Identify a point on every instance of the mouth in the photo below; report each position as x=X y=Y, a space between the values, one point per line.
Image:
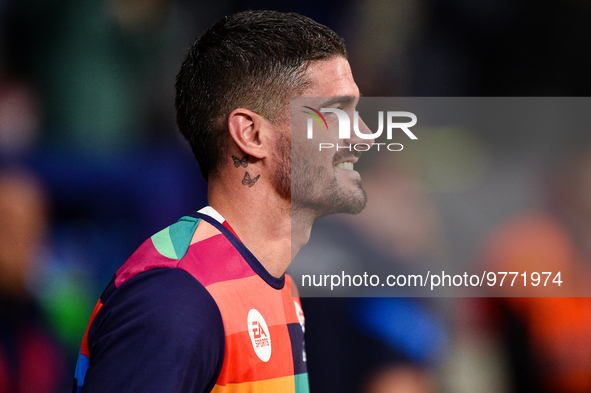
x=346 y=161
x=345 y=165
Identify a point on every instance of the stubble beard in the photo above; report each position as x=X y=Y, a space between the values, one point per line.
x=312 y=189
x=282 y=174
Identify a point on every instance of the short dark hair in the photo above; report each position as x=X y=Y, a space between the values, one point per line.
x=254 y=60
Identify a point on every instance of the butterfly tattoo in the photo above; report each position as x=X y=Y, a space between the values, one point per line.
x=248 y=181
x=240 y=162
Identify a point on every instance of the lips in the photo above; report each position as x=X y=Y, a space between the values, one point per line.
x=345 y=159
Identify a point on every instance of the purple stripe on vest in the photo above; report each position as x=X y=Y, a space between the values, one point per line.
x=199 y=257
x=145 y=258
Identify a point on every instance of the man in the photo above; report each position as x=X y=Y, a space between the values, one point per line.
x=30 y=358
x=205 y=304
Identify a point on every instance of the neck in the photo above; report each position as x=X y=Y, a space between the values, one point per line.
x=301 y=226
x=263 y=221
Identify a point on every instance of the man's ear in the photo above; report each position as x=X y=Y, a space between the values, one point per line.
x=249 y=131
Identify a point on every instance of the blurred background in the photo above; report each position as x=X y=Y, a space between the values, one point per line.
x=91 y=164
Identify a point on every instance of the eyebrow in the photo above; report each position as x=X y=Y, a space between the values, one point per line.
x=338 y=100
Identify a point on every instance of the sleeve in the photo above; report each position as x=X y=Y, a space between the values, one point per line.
x=160 y=331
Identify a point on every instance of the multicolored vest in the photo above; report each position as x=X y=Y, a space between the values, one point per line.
x=262 y=318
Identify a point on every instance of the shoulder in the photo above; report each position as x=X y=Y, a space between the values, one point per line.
x=160 y=327
x=166 y=299
x=164 y=249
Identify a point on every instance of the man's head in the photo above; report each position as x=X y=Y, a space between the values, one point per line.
x=323 y=181
x=255 y=60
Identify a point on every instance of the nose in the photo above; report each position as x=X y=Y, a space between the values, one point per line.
x=358 y=126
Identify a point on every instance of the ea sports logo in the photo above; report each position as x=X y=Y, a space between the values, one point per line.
x=259 y=335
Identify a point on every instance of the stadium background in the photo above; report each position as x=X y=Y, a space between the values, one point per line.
x=89 y=143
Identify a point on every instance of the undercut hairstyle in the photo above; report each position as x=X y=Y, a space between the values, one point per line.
x=255 y=60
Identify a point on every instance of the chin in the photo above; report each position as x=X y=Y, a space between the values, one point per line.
x=336 y=197
x=352 y=202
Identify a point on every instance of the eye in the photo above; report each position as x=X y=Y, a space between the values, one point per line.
x=342 y=106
